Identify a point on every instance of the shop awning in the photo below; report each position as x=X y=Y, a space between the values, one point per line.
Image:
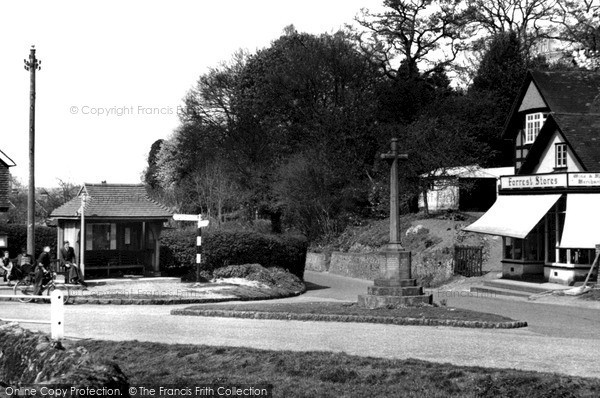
x=582 y=221
x=514 y=216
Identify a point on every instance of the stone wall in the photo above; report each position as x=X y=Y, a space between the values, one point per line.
x=433 y=267
x=430 y=267
x=317 y=262
x=356 y=265
x=33 y=358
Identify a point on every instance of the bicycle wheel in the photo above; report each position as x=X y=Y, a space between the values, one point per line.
x=64 y=289
x=24 y=290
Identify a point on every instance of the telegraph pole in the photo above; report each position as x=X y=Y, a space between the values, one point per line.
x=32 y=65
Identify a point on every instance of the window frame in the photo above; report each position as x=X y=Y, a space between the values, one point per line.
x=560 y=155
x=533 y=121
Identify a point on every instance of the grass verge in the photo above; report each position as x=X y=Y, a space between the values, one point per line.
x=321 y=374
x=351 y=312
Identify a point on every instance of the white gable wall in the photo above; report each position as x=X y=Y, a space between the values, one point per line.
x=532 y=99
x=548 y=160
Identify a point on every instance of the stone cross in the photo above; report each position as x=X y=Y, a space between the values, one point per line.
x=392 y=158
x=396 y=285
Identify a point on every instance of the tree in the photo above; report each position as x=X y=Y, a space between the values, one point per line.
x=496 y=84
x=425 y=35
x=313 y=194
x=580 y=25
x=149 y=177
x=502 y=68
x=435 y=145
x=309 y=94
x=528 y=20
x=46 y=200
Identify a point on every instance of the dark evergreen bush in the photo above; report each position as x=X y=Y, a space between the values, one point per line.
x=17 y=238
x=222 y=248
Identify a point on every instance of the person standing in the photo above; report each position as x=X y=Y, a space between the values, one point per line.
x=68 y=260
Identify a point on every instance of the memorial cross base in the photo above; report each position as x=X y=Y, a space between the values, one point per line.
x=395 y=287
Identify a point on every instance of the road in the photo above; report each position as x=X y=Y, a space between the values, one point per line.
x=560 y=339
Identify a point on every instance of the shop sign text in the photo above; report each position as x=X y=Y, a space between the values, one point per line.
x=536 y=181
x=584 y=180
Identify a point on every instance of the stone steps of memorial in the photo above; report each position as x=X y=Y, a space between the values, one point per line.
x=392 y=282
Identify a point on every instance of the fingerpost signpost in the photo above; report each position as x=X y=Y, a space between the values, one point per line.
x=201 y=224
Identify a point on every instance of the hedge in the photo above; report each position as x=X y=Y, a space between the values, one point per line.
x=17 y=238
x=221 y=248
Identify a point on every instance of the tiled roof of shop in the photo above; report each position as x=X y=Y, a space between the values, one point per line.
x=582 y=133
x=569 y=91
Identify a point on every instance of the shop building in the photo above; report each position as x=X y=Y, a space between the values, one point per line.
x=548 y=210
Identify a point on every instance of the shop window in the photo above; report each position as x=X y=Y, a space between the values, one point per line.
x=509 y=245
x=582 y=256
x=533 y=124
x=529 y=249
x=551 y=237
x=562 y=256
x=560 y=155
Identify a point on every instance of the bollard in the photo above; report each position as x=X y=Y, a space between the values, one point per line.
x=57 y=315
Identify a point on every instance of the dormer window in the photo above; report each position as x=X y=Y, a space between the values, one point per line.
x=533 y=124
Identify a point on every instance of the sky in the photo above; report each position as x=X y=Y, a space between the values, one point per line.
x=113 y=73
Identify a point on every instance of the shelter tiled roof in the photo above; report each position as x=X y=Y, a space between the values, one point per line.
x=114 y=201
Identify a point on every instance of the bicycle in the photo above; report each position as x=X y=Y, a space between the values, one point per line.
x=25 y=287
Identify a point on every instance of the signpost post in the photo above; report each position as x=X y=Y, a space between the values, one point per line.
x=201 y=224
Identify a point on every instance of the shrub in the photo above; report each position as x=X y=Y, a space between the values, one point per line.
x=222 y=248
x=274 y=277
x=177 y=251
x=17 y=238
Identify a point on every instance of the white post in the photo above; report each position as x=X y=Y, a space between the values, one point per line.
x=57 y=315
x=201 y=224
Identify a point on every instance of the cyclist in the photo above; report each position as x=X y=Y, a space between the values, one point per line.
x=42 y=271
